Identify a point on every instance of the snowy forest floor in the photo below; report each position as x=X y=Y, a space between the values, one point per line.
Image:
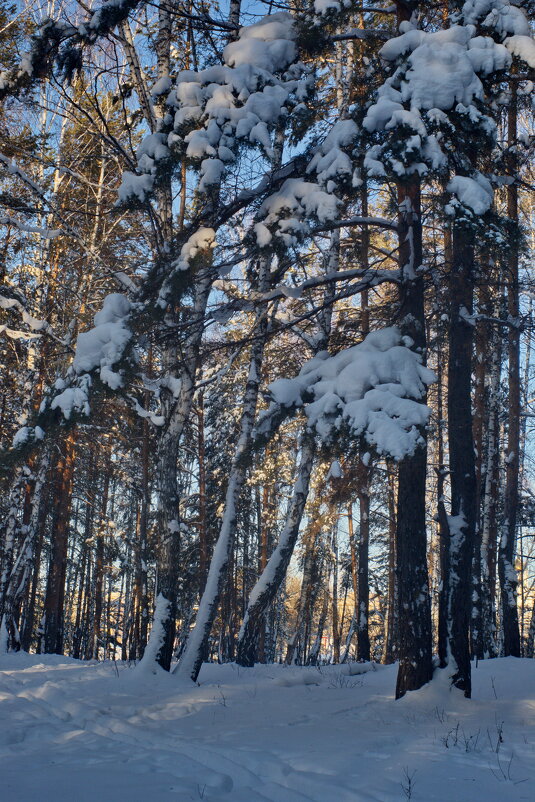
x=72 y=730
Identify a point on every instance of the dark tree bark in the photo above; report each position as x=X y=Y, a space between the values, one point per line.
x=506 y=564
x=414 y=609
x=203 y=528
x=55 y=588
x=462 y=522
x=99 y=566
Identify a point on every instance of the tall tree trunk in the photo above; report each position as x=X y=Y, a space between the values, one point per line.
x=491 y=497
x=141 y=550
x=483 y=443
x=390 y=646
x=363 y=580
x=414 y=609
x=442 y=471
x=363 y=481
x=21 y=572
x=335 y=614
x=462 y=522
x=482 y=338
x=99 y=566
x=304 y=595
x=10 y=531
x=506 y=563
x=55 y=588
x=176 y=414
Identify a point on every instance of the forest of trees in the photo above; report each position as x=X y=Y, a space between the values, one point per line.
x=265 y=332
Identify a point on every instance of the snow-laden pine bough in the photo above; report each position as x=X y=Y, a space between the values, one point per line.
x=371 y=394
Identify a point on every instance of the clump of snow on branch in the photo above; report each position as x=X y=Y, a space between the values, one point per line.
x=331 y=162
x=102 y=347
x=323 y=7
x=36 y=325
x=72 y=399
x=212 y=111
x=268 y=44
x=437 y=73
x=28 y=434
x=498 y=15
x=153 y=149
x=201 y=240
x=289 y=211
x=523 y=47
x=375 y=389
x=475 y=194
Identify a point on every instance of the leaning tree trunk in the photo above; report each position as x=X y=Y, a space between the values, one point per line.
x=197 y=644
x=274 y=573
x=268 y=584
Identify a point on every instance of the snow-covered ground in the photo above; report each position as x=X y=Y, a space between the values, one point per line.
x=85 y=731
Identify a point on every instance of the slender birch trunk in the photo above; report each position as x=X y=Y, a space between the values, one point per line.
x=22 y=568
x=176 y=414
x=268 y=584
x=490 y=507
x=196 y=646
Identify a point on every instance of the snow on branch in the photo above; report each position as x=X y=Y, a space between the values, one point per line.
x=473 y=195
x=99 y=349
x=436 y=74
x=499 y=16
x=286 y=213
x=11 y=303
x=215 y=110
x=60 y=43
x=44 y=233
x=374 y=390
